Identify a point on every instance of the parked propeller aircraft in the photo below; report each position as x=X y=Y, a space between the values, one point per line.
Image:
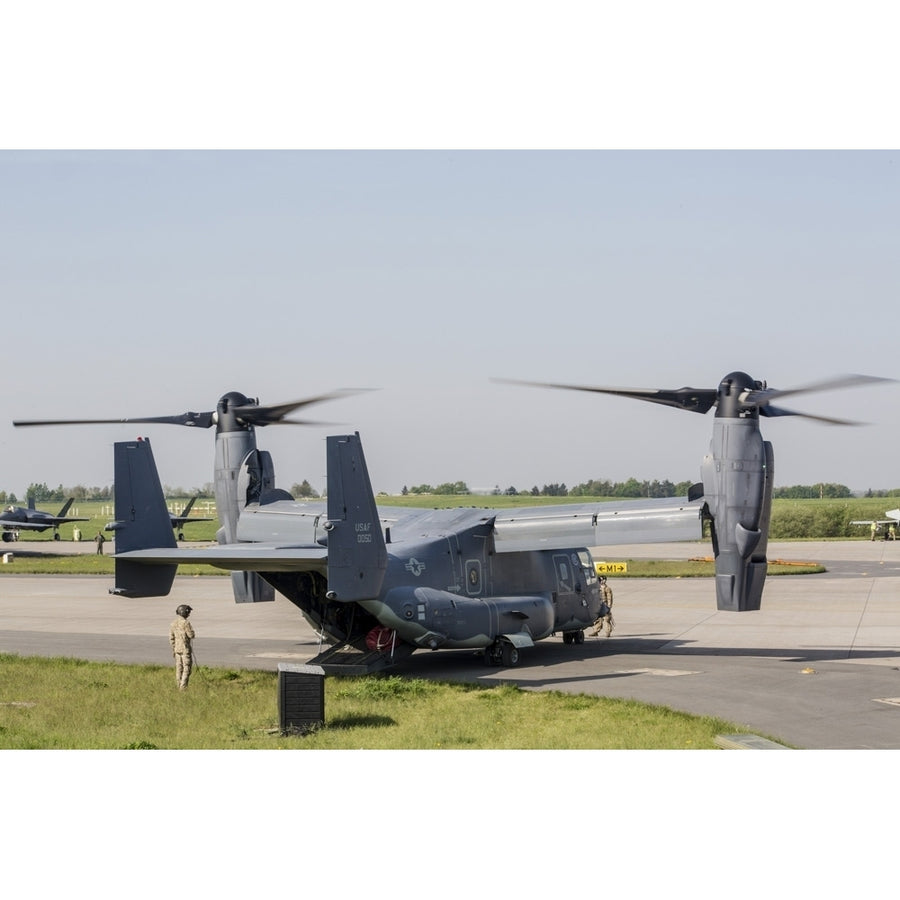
x=886 y=526
x=381 y=582
x=16 y=518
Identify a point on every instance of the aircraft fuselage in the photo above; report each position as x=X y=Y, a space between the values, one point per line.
x=450 y=589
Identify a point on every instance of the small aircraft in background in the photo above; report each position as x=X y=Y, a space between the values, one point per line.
x=17 y=518
x=179 y=520
x=886 y=527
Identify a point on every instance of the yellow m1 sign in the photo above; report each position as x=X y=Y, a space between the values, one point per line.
x=611 y=568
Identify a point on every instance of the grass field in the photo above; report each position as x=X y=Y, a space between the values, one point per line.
x=73 y=704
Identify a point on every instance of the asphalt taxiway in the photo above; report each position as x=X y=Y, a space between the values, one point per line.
x=818 y=667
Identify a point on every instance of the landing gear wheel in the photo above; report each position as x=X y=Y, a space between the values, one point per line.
x=56 y=536
x=568 y=637
x=501 y=653
x=578 y=637
x=180 y=535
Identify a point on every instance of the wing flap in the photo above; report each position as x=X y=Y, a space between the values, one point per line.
x=596 y=524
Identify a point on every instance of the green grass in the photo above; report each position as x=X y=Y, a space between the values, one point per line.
x=703 y=568
x=72 y=704
x=49 y=563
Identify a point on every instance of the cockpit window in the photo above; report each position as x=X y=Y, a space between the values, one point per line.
x=587 y=564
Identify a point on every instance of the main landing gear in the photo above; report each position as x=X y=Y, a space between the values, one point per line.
x=573 y=637
x=501 y=653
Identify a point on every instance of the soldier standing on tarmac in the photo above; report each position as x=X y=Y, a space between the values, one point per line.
x=605 y=619
x=181 y=637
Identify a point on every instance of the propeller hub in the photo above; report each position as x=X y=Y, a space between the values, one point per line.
x=733 y=397
x=226 y=417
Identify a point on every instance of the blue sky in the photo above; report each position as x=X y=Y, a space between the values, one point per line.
x=152 y=282
x=486 y=218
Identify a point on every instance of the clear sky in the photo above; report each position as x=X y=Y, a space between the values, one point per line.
x=151 y=282
x=139 y=279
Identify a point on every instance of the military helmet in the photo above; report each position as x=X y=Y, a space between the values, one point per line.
x=184 y=610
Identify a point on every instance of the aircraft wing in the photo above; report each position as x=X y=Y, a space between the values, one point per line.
x=596 y=524
x=893 y=517
x=184 y=520
x=38 y=525
x=238 y=557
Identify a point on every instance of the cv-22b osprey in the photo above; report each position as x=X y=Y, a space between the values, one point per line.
x=385 y=581
x=393 y=579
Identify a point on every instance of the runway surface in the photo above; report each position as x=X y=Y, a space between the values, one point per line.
x=818 y=667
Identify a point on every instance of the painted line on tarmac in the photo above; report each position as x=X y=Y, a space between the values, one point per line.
x=663 y=673
x=892 y=661
x=270 y=655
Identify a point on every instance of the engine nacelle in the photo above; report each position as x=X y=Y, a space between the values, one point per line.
x=738 y=476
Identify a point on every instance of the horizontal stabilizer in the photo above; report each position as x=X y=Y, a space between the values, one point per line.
x=237 y=557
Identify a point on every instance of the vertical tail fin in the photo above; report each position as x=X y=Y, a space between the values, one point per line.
x=65 y=508
x=142 y=521
x=357 y=557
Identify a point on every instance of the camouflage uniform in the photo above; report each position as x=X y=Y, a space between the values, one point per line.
x=181 y=637
x=605 y=619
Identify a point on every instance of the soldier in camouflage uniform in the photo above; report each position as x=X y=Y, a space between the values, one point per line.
x=605 y=619
x=181 y=637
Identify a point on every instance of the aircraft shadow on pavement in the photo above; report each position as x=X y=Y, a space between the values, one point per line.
x=469 y=664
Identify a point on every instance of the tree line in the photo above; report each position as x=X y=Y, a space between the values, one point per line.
x=629 y=489
x=632 y=488
x=44 y=494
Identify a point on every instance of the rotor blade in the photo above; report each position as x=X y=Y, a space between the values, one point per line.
x=310 y=422
x=763 y=397
x=197 y=420
x=274 y=414
x=699 y=400
x=778 y=411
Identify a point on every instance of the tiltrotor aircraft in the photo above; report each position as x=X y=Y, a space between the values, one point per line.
x=14 y=519
x=379 y=582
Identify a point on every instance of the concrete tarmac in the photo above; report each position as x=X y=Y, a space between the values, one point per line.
x=817 y=668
